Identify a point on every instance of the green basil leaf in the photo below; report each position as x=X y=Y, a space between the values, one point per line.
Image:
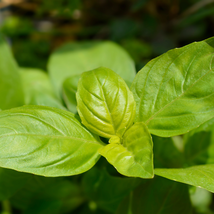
x=199 y=176
x=161 y=196
x=104 y=102
x=166 y=155
x=69 y=92
x=75 y=58
x=46 y=141
x=105 y=190
x=134 y=157
x=11 y=181
x=11 y=92
x=38 y=89
x=174 y=93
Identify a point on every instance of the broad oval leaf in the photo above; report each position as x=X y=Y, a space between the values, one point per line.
x=11 y=92
x=46 y=141
x=38 y=89
x=199 y=176
x=174 y=93
x=76 y=58
x=134 y=157
x=104 y=102
x=69 y=92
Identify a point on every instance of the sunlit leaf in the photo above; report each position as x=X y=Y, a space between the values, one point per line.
x=76 y=58
x=174 y=92
x=104 y=102
x=199 y=176
x=134 y=156
x=46 y=141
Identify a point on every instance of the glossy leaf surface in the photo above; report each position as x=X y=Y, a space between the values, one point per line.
x=134 y=157
x=174 y=92
x=199 y=176
x=76 y=58
x=11 y=181
x=11 y=92
x=104 y=102
x=38 y=89
x=46 y=141
x=69 y=92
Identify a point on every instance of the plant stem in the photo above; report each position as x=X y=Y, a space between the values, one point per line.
x=6 y=208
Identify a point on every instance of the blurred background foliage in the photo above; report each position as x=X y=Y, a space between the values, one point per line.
x=145 y=28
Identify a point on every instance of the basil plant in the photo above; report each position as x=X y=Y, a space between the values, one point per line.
x=156 y=127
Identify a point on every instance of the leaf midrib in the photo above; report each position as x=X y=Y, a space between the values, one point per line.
x=152 y=117
x=50 y=136
x=112 y=121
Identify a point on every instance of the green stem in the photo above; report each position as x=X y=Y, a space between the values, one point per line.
x=6 y=208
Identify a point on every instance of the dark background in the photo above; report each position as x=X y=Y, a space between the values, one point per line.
x=145 y=28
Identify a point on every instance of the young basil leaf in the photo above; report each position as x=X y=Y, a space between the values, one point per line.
x=104 y=102
x=69 y=92
x=76 y=58
x=199 y=176
x=174 y=93
x=134 y=157
x=11 y=181
x=46 y=141
x=11 y=92
x=38 y=89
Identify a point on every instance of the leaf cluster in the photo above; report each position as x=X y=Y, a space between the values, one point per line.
x=149 y=127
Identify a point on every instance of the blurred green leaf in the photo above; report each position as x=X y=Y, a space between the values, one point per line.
x=69 y=92
x=75 y=58
x=201 y=200
x=51 y=194
x=199 y=145
x=166 y=155
x=38 y=89
x=11 y=181
x=160 y=196
x=11 y=92
x=107 y=191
